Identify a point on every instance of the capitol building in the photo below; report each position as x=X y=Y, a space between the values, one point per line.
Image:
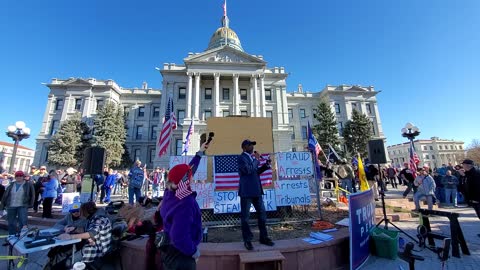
x=221 y=81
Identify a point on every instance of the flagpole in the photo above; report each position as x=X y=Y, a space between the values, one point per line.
x=317 y=183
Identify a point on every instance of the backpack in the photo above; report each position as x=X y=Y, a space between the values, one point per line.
x=342 y=172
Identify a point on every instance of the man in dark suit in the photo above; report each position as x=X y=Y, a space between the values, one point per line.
x=250 y=191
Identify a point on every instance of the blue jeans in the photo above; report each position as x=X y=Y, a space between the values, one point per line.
x=134 y=191
x=245 y=203
x=14 y=215
x=416 y=198
x=155 y=189
x=108 y=192
x=451 y=196
x=347 y=185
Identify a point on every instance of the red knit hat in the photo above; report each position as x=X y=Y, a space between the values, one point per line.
x=176 y=174
x=180 y=175
x=19 y=173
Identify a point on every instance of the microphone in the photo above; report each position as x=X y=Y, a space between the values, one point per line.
x=210 y=138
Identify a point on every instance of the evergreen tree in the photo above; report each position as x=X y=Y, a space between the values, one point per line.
x=326 y=131
x=67 y=145
x=110 y=133
x=357 y=133
x=126 y=159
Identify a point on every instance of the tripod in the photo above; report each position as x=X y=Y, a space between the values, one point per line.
x=387 y=221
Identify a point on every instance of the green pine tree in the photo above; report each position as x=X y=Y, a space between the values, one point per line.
x=110 y=133
x=126 y=159
x=357 y=133
x=326 y=131
x=67 y=145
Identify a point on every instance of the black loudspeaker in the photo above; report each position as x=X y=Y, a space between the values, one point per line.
x=94 y=160
x=376 y=152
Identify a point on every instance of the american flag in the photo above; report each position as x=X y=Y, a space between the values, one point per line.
x=414 y=160
x=183 y=187
x=226 y=175
x=313 y=144
x=187 y=139
x=169 y=124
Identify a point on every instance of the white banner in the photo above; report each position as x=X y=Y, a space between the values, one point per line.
x=229 y=202
x=67 y=201
x=200 y=174
x=204 y=194
x=292 y=192
x=294 y=164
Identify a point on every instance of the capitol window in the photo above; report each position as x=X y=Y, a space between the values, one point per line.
x=302 y=113
x=226 y=94
x=337 y=108
x=141 y=111
x=268 y=94
x=208 y=93
x=156 y=112
x=78 y=104
x=182 y=92
x=290 y=113
x=59 y=104
x=243 y=94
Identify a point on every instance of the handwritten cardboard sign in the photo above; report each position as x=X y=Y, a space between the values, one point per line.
x=292 y=192
x=294 y=164
x=204 y=194
x=200 y=174
x=229 y=202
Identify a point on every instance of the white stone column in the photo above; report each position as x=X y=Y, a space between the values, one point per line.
x=66 y=107
x=256 y=97
x=262 y=95
x=216 y=95
x=236 y=99
x=252 y=96
x=188 y=113
x=50 y=109
x=197 y=96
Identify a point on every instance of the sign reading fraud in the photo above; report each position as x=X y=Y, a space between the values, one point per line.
x=292 y=192
x=200 y=174
x=290 y=164
x=204 y=195
x=362 y=220
x=229 y=202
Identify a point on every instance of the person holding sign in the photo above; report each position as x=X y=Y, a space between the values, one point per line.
x=250 y=191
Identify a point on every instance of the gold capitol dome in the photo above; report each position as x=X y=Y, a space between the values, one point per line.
x=224 y=35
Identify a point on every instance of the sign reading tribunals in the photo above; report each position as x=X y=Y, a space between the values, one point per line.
x=292 y=192
x=293 y=164
x=200 y=174
x=362 y=220
x=229 y=201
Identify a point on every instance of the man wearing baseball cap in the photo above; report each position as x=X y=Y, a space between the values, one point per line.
x=250 y=191
x=17 y=199
x=473 y=185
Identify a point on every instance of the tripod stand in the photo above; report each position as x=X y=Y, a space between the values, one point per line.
x=387 y=221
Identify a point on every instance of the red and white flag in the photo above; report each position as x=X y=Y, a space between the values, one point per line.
x=169 y=124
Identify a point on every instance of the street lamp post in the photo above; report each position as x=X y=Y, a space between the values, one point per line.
x=410 y=131
x=17 y=133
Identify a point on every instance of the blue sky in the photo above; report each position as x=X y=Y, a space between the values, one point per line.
x=423 y=55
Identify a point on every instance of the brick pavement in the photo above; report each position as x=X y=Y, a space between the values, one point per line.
x=470 y=225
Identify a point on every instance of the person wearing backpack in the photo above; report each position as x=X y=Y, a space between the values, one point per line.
x=136 y=178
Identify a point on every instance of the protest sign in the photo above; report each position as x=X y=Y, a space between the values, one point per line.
x=204 y=194
x=67 y=200
x=362 y=220
x=229 y=201
x=200 y=174
x=292 y=192
x=294 y=165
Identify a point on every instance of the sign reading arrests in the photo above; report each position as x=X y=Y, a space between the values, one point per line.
x=293 y=164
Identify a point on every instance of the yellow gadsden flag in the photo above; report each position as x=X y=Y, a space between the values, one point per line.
x=361 y=175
